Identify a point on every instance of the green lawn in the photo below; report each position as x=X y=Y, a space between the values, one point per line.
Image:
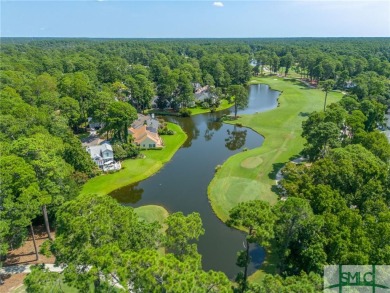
x=194 y=111
x=224 y=105
x=152 y=213
x=134 y=170
x=250 y=175
x=291 y=73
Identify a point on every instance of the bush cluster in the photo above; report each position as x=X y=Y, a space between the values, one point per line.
x=184 y=112
x=124 y=151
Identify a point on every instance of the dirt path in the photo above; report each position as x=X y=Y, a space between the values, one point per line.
x=23 y=257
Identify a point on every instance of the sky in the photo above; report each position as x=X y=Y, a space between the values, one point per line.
x=194 y=19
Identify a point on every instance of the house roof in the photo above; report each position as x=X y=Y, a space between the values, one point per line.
x=151 y=123
x=96 y=150
x=141 y=133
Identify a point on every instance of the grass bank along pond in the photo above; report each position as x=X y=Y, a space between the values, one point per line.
x=138 y=169
x=182 y=184
x=250 y=175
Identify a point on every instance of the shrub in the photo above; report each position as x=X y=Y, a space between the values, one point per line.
x=119 y=152
x=132 y=150
x=161 y=123
x=165 y=131
x=45 y=248
x=205 y=105
x=124 y=151
x=184 y=112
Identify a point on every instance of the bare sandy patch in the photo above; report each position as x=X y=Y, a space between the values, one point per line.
x=251 y=162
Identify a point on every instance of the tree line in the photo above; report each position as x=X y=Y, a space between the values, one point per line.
x=49 y=87
x=334 y=207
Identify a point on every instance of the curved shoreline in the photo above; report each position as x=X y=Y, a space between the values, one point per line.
x=154 y=161
x=311 y=102
x=252 y=184
x=222 y=107
x=281 y=129
x=152 y=213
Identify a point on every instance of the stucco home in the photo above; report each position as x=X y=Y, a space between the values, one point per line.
x=103 y=156
x=146 y=139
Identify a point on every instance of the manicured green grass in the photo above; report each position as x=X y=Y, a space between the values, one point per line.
x=291 y=73
x=194 y=111
x=251 y=175
x=223 y=106
x=134 y=170
x=238 y=180
x=198 y=110
x=152 y=213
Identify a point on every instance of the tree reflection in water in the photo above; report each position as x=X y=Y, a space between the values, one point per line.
x=236 y=138
x=188 y=125
x=132 y=194
x=208 y=135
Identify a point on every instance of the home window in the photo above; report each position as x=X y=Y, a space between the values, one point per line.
x=152 y=145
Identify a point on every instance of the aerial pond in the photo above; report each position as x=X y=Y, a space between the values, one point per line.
x=181 y=185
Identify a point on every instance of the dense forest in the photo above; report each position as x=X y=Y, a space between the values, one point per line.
x=335 y=207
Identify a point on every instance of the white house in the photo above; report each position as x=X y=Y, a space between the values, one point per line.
x=103 y=156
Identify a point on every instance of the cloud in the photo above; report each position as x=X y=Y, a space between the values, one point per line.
x=218 y=4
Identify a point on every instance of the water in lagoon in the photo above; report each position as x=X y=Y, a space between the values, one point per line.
x=261 y=98
x=182 y=184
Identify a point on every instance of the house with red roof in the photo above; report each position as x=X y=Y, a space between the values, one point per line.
x=146 y=139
